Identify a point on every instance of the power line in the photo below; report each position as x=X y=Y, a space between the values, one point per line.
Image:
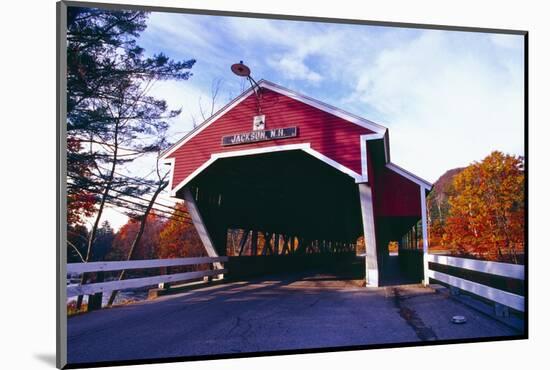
x=171 y=217
x=130 y=195
x=183 y=218
x=161 y=211
x=128 y=177
x=137 y=181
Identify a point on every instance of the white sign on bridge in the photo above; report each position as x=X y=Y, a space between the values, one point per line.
x=263 y=135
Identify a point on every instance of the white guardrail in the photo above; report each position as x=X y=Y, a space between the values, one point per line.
x=86 y=289
x=508 y=270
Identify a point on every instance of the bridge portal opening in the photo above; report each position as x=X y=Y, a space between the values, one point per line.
x=281 y=211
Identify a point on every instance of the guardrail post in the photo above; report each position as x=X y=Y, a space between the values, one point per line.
x=501 y=310
x=425 y=265
x=164 y=271
x=95 y=301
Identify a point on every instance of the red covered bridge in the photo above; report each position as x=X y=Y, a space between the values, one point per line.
x=300 y=182
x=308 y=177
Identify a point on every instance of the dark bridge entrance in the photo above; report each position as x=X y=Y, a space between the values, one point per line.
x=288 y=209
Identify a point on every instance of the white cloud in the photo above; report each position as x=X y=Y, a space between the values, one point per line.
x=448 y=97
x=507 y=41
x=294 y=68
x=182 y=33
x=447 y=105
x=183 y=95
x=293 y=45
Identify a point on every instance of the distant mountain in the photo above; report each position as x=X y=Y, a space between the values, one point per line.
x=442 y=184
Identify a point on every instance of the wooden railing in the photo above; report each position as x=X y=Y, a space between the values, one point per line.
x=499 y=296
x=86 y=289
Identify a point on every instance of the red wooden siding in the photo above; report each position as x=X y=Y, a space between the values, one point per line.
x=395 y=195
x=332 y=136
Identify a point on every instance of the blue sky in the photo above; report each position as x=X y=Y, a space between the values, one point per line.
x=448 y=98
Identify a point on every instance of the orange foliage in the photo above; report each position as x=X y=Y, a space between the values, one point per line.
x=148 y=245
x=179 y=238
x=80 y=205
x=486 y=215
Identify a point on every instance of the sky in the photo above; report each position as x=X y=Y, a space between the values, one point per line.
x=448 y=97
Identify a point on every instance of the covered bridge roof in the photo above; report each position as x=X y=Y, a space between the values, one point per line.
x=337 y=138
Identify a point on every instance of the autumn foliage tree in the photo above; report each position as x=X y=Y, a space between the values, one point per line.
x=179 y=238
x=438 y=208
x=148 y=245
x=486 y=214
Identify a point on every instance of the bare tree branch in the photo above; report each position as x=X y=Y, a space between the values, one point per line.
x=76 y=250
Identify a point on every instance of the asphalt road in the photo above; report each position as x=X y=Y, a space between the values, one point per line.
x=275 y=313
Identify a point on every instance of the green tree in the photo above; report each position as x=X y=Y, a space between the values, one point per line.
x=77 y=239
x=104 y=240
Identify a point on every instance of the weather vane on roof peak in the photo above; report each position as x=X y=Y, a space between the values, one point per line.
x=242 y=70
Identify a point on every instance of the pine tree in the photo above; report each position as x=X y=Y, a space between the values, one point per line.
x=111 y=119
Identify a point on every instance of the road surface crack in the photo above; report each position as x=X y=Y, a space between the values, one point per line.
x=237 y=324
x=423 y=332
x=238 y=329
x=314 y=302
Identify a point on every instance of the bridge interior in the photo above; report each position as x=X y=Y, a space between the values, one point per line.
x=287 y=211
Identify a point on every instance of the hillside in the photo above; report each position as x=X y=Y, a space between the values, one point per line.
x=438 y=205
